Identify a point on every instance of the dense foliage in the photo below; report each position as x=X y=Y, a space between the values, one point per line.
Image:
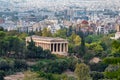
x=40 y=64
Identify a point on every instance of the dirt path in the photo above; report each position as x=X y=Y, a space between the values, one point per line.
x=17 y=76
x=70 y=73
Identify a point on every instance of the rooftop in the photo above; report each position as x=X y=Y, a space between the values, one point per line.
x=48 y=39
x=84 y=22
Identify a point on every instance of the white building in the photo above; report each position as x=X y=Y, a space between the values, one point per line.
x=101 y=30
x=117 y=34
x=9 y=25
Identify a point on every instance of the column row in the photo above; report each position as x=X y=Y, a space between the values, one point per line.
x=59 y=47
x=54 y=47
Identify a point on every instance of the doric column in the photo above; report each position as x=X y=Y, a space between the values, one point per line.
x=56 y=47
x=60 y=47
x=53 y=47
x=67 y=46
x=50 y=47
x=63 y=47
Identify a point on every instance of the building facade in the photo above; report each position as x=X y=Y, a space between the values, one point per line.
x=55 y=45
x=101 y=30
x=117 y=34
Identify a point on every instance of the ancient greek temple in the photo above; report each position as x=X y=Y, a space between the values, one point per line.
x=55 y=45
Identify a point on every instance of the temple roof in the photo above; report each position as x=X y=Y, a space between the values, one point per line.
x=48 y=39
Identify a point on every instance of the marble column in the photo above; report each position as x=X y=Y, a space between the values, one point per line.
x=63 y=47
x=53 y=47
x=67 y=47
x=56 y=47
x=60 y=47
x=50 y=47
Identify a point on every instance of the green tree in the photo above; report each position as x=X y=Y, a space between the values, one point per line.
x=98 y=48
x=82 y=47
x=15 y=44
x=2 y=35
x=115 y=47
x=96 y=75
x=23 y=36
x=1 y=28
x=46 y=32
x=20 y=65
x=31 y=45
x=2 y=74
x=39 y=33
x=93 y=38
x=12 y=33
x=72 y=37
x=113 y=71
x=82 y=71
x=69 y=31
x=3 y=43
x=99 y=67
x=77 y=40
x=89 y=39
x=72 y=63
x=33 y=51
x=4 y=47
x=37 y=52
x=61 y=33
x=71 y=48
x=95 y=46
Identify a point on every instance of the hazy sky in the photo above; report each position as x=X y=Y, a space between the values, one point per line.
x=88 y=3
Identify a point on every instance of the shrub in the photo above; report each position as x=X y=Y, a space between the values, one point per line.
x=100 y=67
x=20 y=64
x=2 y=74
x=96 y=75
